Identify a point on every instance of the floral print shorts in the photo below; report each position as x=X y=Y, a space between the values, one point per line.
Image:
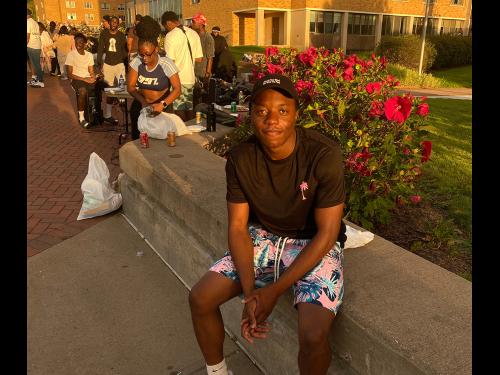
x=323 y=285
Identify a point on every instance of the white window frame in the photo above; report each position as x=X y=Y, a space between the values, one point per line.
x=105 y=6
x=88 y=5
x=195 y=1
x=70 y=18
x=459 y=3
x=89 y=16
x=71 y=4
x=121 y=7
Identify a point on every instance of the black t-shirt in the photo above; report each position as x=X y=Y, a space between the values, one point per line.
x=114 y=46
x=274 y=189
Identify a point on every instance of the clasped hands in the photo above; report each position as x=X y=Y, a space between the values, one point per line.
x=258 y=305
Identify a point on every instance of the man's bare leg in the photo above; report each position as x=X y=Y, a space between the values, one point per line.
x=315 y=353
x=205 y=297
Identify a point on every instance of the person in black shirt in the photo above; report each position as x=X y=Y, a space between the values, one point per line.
x=219 y=44
x=113 y=43
x=285 y=199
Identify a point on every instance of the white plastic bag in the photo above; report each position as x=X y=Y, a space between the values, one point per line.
x=98 y=196
x=356 y=238
x=158 y=126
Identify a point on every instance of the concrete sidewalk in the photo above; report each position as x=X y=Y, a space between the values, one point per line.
x=97 y=306
x=444 y=93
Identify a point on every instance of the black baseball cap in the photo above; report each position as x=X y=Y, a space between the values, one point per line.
x=277 y=82
x=106 y=17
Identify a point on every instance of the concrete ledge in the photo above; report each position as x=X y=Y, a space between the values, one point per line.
x=401 y=313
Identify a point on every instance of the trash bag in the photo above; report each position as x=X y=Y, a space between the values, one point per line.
x=98 y=196
x=159 y=125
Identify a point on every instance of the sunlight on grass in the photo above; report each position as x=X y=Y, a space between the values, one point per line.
x=447 y=178
x=461 y=75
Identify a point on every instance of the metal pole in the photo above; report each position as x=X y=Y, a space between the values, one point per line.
x=423 y=39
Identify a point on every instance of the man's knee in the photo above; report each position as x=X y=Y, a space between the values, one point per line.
x=199 y=299
x=313 y=338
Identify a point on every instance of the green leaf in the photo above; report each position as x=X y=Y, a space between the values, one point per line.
x=309 y=125
x=341 y=108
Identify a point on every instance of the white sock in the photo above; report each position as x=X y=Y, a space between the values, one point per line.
x=107 y=111
x=218 y=369
x=80 y=114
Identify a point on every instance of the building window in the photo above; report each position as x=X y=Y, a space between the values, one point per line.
x=105 y=6
x=88 y=5
x=121 y=7
x=71 y=16
x=455 y=27
x=457 y=2
x=394 y=25
x=70 y=4
x=361 y=24
x=89 y=17
x=418 y=25
x=325 y=22
x=195 y=1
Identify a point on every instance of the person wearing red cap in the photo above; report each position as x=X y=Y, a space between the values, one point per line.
x=203 y=69
x=285 y=199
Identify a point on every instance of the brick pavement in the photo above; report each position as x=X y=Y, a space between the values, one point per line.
x=58 y=156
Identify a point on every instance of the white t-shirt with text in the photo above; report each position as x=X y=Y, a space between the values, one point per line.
x=80 y=63
x=34 y=30
x=176 y=48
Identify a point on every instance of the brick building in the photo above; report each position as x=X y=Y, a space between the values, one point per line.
x=77 y=12
x=346 y=24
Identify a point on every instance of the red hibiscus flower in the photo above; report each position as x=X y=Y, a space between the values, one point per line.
x=275 y=69
x=308 y=57
x=304 y=85
x=373 y=87
x=423 y=109
x=377 y=109
x=415 y=198
x=406 y=151
x=426 y=151
x=271 y=51
x=348 y=74
x=397 y=109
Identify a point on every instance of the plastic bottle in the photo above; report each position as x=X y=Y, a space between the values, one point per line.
x=241 y=98
x=121 y=82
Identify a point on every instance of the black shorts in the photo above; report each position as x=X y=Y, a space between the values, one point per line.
x=77 y=84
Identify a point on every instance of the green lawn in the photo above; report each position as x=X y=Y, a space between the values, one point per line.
x=462 y=75
x=447 y=177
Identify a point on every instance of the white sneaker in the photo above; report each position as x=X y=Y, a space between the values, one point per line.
x=37 y=84
x=64 y=78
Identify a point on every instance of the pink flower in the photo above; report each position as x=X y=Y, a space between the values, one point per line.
x=373 y=87
x=426 y=151
x=415 y=198
x=406 y=151
x=303 y=187
x=397 y=109
x=333 y=71
x=423 y=109
x=271 y=51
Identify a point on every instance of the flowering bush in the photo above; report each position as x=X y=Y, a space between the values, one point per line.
x=353 y=101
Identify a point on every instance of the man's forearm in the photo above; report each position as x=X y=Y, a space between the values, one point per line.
x=241 y=248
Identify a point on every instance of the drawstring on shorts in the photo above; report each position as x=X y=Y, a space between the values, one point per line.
x=277 y=257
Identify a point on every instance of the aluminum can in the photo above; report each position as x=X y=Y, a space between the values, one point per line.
x=144 y=140
x=198 y=117
x=171 y=139
x=233 y=107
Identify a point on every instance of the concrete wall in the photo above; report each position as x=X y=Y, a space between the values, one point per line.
x=401 y=313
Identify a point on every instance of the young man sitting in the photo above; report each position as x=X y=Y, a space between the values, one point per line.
x=285 y=199
x=80 y=69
